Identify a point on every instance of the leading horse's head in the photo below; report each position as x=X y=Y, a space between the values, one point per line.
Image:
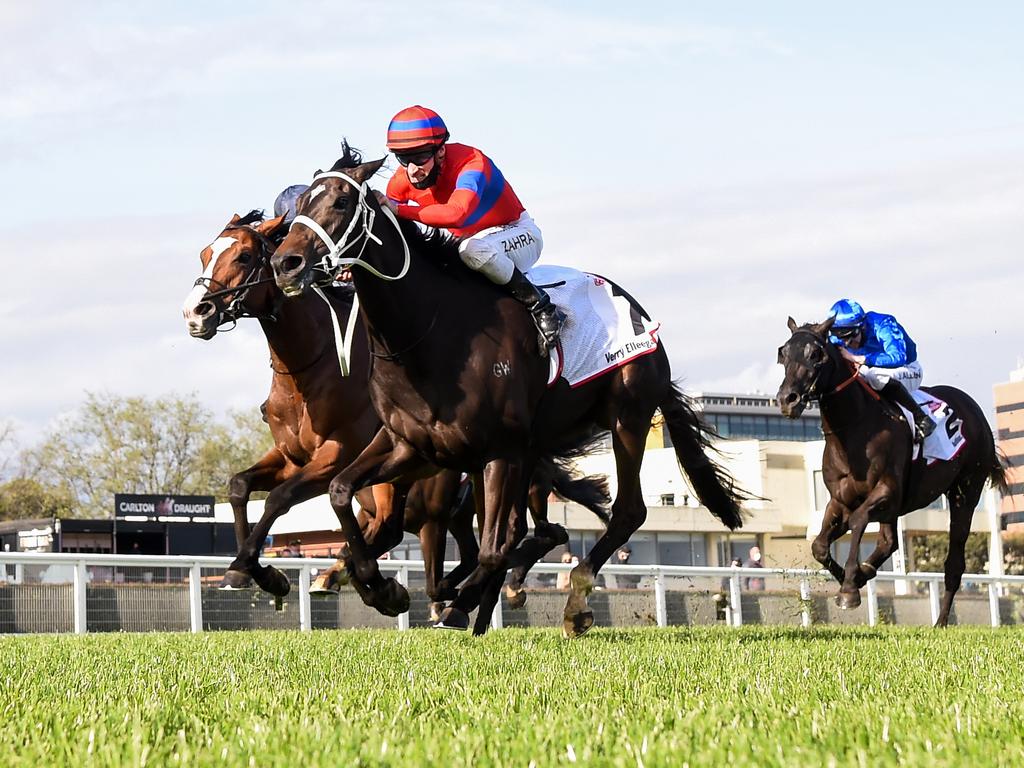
x=809 y=361
x=236 y=280
x=336 y=203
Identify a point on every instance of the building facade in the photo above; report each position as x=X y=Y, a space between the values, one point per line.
x=1009 y=402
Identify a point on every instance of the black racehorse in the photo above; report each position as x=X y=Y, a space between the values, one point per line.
x=458 y=381
x=321 y=419
x=868 y=465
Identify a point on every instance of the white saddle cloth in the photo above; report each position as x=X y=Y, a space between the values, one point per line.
x=947 y=440
x=602 y=331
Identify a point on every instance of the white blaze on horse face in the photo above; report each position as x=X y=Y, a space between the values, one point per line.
x=217 y=247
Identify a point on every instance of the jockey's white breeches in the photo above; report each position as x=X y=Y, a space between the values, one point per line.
x=908 y=375
x=496 y=251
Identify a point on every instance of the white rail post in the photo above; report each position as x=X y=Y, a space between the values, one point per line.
x=805 y=602
x=735 y=600
x=195 y=597
x=993 y=603
x=305 y=609
x=933 y=598
x=497 y=617
x=872 y=603
x=403 y=579
x=81 y=580
x=660 y=609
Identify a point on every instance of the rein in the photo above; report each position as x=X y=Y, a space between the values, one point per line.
x=334 y=259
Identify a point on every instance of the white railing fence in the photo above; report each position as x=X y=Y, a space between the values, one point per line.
x=80 y=569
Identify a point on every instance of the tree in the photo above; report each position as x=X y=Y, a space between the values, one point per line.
x=930 y=552
x=25 y=499
x=8 y=448
x=171 y=444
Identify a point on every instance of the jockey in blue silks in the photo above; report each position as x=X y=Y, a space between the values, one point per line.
x=885 y=354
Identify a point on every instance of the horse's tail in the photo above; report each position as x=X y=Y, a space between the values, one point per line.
x=691 y=437
x=590 y=491
x=997 y=471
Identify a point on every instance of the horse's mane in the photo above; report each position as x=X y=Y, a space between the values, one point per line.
x=255 y=216
x=350 y=158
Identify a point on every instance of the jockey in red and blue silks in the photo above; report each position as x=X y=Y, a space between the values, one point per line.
x=459 y=188
x=886 y=354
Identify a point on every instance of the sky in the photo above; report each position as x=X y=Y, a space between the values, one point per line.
x=730 y=164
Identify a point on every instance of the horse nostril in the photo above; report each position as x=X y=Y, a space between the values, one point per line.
x=290 y=264
x=791 y=398
x=205 y=309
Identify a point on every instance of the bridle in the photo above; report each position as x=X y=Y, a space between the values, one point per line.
x=811 y=394
x=365 y=213
x=235 y=309
x=333 y=260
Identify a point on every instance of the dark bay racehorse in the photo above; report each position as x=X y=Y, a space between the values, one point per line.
x=320 y=420
x=867 y=465
x=458 y=382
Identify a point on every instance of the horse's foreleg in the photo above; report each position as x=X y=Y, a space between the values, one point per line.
x=380 y=462
x=833 y=525
x=888 y=543
x=503 y=528
x=849 y=593
x=461 y=528
x=264 y=475
x=305 y=483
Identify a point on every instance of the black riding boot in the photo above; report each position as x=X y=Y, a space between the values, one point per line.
x=897 y=393
x=546 y=316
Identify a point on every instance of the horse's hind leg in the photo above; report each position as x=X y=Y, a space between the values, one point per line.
x=963 y=498
x=546 y=536
x=628 y=514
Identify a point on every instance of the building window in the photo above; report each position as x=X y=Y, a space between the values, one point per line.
x=682 y=549
x=668 y=499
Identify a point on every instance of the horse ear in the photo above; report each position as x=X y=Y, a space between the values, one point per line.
x=234 y=219
x=367 y=170
x=825 y=327
x=271 y=226
x=792 y=325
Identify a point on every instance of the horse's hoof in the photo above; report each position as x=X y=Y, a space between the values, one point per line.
x=391 y=599
x=328 y=583
x=516 y=597
x=577 y=624
x=453 y=618
x=434 y=611
x=273 y=581
x=848 y=600
x=235 y=579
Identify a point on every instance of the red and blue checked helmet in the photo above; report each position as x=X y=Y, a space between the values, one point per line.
x=848 y=314
x=416 y=128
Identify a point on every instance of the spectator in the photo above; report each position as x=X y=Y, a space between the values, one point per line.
x=286 y=552
x=722 y=598
x=562 y=580
x=754 y=584
x=624 y=581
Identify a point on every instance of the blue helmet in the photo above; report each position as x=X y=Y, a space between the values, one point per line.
x=285 y=203
x=848 y=314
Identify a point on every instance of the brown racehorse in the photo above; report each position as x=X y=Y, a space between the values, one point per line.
x=320 y=419
x=459 y=382
x=868 y=467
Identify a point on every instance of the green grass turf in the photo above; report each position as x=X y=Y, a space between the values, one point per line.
x=697 y=696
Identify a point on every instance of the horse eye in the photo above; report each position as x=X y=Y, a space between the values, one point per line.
x=341 y=203
x=244 y=257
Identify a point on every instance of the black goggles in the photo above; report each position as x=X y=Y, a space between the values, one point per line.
x=420 y=158
x=846 y=333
